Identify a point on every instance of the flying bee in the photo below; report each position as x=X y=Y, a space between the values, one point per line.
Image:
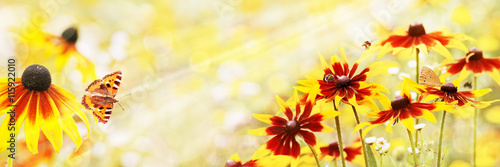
x=468 y=85
x=328 y=78
x=366 y=44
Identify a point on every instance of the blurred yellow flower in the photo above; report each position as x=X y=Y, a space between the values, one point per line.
x=48 y=48
x=461 y=15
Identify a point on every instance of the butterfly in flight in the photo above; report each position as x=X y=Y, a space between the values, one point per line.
x=100 y=96
x=429 y=78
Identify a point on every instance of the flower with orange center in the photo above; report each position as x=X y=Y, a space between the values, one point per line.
x=341 y=83
x=403 y=109
x=302 y=122
x=405 y=42
x=41 y=105
x=474 y=62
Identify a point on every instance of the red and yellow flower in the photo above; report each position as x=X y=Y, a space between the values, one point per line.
x=474 y=62
x=331 y=151
x=41 y=105
x=260 y=158
x=302 y=122
x=404 y=110
x=341 y=84
x=404 y=42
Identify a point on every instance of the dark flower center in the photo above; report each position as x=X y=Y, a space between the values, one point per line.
x=231 y=163
x=70 y=35
x=342 y=81
x=449 y=88
x=478 y=55
x=328 y=78
x=292 y=126
x=400 y=102
x=36 y=77
x=416 y=30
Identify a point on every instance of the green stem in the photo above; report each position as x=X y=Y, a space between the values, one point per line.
x=417 y=59
x=381 y=164
x=10 y=162
x=440 y=142
x=415 y=161
x=360 y=135
x=315 y=155
x=339 y=136
x=417 y=68
x=475 y=126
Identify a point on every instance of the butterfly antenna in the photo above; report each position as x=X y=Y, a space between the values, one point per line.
x=120 y=106
x=125 y=95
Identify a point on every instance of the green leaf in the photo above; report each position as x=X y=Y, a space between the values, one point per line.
x=371 y=157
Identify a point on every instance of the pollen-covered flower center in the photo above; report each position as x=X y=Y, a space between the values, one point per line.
x=36 y=77
x=328 y=78
x=416 y=30
x=449 y=88
x=342 y=81
x=400 y=102
x=70 y=35
x=478 y=55
x=292 y=126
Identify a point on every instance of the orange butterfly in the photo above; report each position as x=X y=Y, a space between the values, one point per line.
x=100 y=96
x=429 y=78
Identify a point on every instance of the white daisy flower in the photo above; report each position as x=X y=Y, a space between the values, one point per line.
x=380 y=142
x=370 y=140
x=419 y=126
x=384 y=148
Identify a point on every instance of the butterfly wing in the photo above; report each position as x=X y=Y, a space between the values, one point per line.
x=87 y=97
x=429 y=78
x=103 y=113
x=112 y=82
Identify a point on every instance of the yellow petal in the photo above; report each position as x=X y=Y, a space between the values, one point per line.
x=334 y=59
x=481 y=92
x=281 y=103
x=429 y=116
x=326 y=128
x=235 y=157
x=408 y=123
x=31 y=125
x=50 y=126
x=388 y=127
x=324 y=65
x=439 y=48
x=329 y=114
x=353 y=101
x=431 y=97
x=73 y=104
x=263 y=117
x=337 y=101
x=385 y=49
x=8 y=130
x=258 y=132
x=360 y=126
x=495 y=75
x=261 y=152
